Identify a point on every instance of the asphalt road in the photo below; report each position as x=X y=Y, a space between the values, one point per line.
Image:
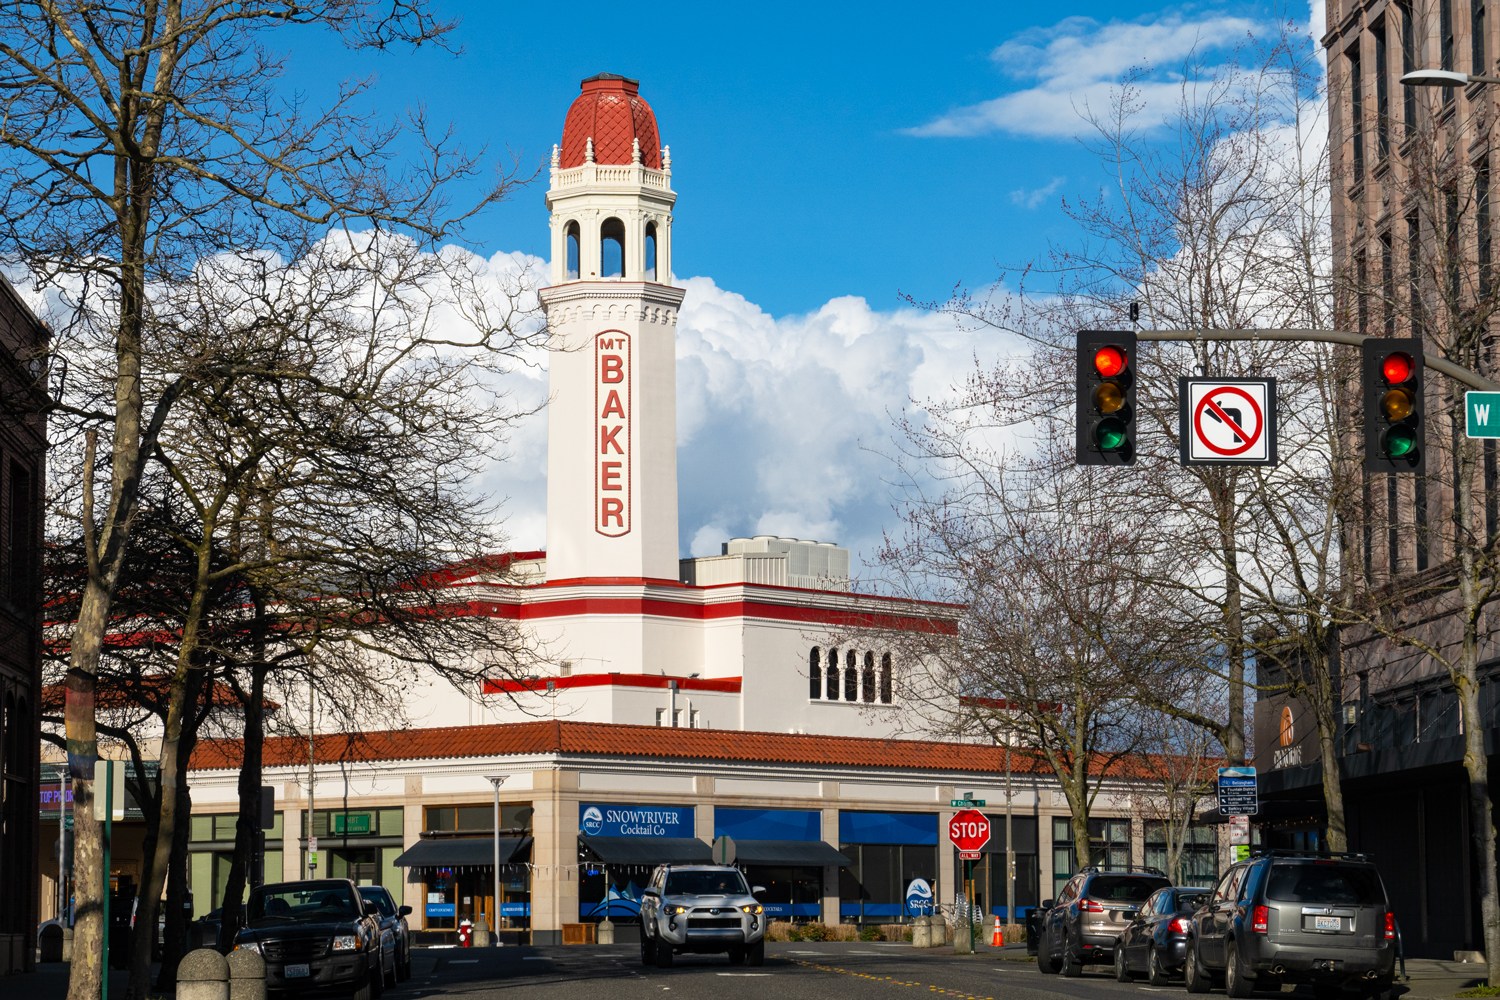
x=793 y=971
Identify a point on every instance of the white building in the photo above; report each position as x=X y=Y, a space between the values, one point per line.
x=676 y=700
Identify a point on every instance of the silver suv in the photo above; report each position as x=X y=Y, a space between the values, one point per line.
x=701 y=909
x=1090 y=914
x=1285 y=917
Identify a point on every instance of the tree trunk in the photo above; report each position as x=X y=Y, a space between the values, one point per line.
x=86 y=975
x=247 y=830
x=175 y=943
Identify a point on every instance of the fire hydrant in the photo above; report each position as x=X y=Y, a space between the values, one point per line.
x=465 y=933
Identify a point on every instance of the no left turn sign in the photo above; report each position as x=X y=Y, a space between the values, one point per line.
x=1227 y=421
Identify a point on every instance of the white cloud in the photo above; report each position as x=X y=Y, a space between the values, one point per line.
x=784 y=425
x=1075 y=66
x=1036 y=197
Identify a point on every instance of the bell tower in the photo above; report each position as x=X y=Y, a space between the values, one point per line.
x=612 y=321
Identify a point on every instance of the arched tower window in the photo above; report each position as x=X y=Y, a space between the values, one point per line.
x=867 y=678
x=815 y=673
x=851 y=676
x=650 y=251
x=574 y=245
x=885 y=679
x=612 y=249
x=831 y=689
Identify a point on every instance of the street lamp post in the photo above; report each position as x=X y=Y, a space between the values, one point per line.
x=496 y=780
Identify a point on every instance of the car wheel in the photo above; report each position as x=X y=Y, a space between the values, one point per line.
x=1156 y=973
x=1044 y=958
x=663 y=954
x=648 y=955
x=363 y=991
x=403 y=971
x=1122 y=967
x=756 y=953
x=1072 y=962
x=377 y=979
x=1236 y=983
x=736 y=956
x=1192 y=974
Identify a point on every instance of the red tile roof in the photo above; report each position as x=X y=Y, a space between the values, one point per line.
x=597 y=739
x=612 y=112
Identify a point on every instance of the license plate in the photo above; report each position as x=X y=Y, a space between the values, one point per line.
x=303 y=971
x=1327 y=923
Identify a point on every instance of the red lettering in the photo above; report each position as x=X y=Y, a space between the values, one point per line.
x=609 y=438
x=612 y=510
x=612 y=368
x=612 y=406
x=609 y=475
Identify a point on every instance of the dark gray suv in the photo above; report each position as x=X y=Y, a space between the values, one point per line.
x=1284 y=917
x=1088 y=916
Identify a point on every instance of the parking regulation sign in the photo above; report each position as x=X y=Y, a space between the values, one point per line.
x=1224 y=421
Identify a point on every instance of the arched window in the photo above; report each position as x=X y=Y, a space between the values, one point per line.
x=650 y=251
x=612 y=249
x=815 y=673
x=851 y=676
x=885 y=679
x=831 y=689
x=573 y=250
x=867 y=678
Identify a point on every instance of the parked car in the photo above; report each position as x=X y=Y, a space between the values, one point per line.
x=1287 y=917
x=318 y=934
x=702 y=909
x=1155 y=942
x=394 y=930
x=1088 y=916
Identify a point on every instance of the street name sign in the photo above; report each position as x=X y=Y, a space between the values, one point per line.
x=965 y=803
x=1224 y=421
x=1239 y=791
x=1482 y=414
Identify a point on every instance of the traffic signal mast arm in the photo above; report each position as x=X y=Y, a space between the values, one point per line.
x=1456 y=372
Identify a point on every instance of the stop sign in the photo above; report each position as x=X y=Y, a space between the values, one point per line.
x=969 y=829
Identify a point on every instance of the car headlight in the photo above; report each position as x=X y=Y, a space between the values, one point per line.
x=346 y=942
x=672 y=909
x=753 y=908
x=247 y=946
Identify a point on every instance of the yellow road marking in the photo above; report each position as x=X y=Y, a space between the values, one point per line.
x=891 y=980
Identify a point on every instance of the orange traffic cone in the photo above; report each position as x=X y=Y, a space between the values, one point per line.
x=997 y=939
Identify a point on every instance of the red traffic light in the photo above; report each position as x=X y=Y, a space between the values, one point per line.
x=1109 y=361
x=1397 y=368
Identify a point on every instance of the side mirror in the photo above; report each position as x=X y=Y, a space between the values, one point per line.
x=402 y=911
x=1047 y=904
x=371 y=910
x=756 y=890
x=650 y=892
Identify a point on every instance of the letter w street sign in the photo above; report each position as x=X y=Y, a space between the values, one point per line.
x=1482 y=414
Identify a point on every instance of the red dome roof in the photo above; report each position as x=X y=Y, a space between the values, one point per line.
x=612 y=113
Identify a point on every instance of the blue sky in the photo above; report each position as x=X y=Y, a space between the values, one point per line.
x=827 y=160
x=819 y=150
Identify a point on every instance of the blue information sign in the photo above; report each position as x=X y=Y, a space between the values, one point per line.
x=1239 y=792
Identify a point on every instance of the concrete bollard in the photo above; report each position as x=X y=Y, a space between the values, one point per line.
x=247 y=976
x=203 y=975
x=482 y=934
x=963 y=938
x=921 y=933
x=606 y=931
x=67 y=945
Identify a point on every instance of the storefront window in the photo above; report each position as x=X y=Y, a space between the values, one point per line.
x=1109 y=847
x=1200 y=853
x=888 y=851
x=467 y=892
x=991 y=884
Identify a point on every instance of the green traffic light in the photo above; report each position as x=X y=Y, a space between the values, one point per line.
x=1400 y=442
x=1109 y=434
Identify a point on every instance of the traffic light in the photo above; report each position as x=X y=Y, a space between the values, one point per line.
x=1106 y=397
x=1391 y=376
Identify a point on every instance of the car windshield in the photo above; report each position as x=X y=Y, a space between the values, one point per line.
x=1122 y=888
x=1325 y=882
x=730 y=883
x=1191 y=899
x=382 y=900
x=301 y=902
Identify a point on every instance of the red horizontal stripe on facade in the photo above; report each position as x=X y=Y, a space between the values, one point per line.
x=725 y=685
x=660 y=608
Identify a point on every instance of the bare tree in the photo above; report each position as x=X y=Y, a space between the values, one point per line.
x=138 y=140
